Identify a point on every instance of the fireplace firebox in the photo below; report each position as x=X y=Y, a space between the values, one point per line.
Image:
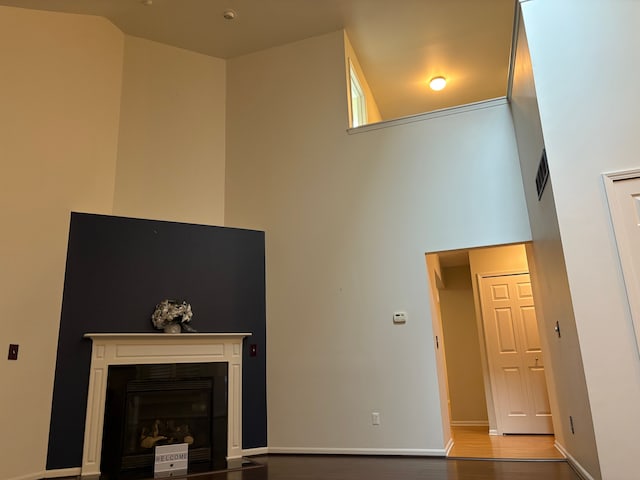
x=161 y=404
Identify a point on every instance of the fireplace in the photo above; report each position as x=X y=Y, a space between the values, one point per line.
x=163 y=404
x=162 y=385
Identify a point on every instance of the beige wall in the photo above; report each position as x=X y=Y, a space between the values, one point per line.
x=434 y=276
x=373 y=113
x=568 y=392
x=464 y=367
x=348 y=219
x=60 y=96
x=67 y=147
x=590 y=129
x=171 y=152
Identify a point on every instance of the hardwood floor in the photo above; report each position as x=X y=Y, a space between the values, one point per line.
x=322 y=467
x=353 y=467
x=475 y=442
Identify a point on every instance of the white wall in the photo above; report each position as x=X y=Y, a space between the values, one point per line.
x=565 y=372
x=171 y=152
x=60 y=96
x=590 y=129
x=348 y=219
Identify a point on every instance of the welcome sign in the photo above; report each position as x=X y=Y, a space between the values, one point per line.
x=171 y=460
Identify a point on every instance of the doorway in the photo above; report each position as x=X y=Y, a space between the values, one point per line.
x=473 y=403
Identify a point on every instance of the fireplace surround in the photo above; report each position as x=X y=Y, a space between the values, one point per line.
x=113 y=349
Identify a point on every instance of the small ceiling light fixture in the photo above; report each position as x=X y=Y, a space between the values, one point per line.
x=437 y=83
x=146 y=3
x=229 y=14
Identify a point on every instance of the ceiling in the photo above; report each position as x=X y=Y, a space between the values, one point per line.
x=454 y=258
x=400 y=44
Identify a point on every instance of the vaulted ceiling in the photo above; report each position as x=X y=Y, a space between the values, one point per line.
x=400 y=44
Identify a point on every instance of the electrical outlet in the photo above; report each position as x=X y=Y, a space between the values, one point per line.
x=375 y=418
x=13 y=352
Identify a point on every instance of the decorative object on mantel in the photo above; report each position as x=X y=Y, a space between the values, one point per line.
x=173 y=316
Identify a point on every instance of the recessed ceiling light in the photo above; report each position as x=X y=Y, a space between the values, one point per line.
x=437 y=83
x=229 y=14
x=146 y=2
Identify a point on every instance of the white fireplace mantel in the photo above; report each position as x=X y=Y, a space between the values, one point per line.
x=149 y=348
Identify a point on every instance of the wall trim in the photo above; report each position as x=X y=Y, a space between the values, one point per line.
x=29 y=476
x=444 y=112
x=493 y=431
x=62 y=472
x=514 y=47
x=448 y=447
x=579 y=469
x=624 y=246
x=417 y=452
x=249 y=452
x=470 y=423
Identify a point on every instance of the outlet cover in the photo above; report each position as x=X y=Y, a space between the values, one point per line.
x=375 y=418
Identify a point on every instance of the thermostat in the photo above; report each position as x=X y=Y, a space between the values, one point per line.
x=400 y=317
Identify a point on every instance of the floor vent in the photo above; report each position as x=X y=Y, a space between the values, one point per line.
x=543 y=174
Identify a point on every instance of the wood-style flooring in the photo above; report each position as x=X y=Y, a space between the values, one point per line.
x=314 y=467
x=475 y=442
x=347 y=467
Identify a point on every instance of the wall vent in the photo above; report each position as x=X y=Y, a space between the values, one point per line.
x=543 y=174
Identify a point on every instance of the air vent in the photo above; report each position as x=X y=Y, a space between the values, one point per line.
x=543 y=174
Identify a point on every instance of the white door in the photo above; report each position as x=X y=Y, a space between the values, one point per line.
x=516 y=365
x=623 y=192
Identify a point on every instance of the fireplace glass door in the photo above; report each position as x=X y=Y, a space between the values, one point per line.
x=164 y=413
x=153 y=405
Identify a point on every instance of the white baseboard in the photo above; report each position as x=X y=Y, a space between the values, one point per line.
x=418 y=452
x=493 y=431
x=29 y=476
x=62 y=472
x=448 y=447
x=248 y=452
x=579 y=469
x=469 y=423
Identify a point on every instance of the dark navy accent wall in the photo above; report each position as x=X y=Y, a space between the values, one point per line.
x=118 y=269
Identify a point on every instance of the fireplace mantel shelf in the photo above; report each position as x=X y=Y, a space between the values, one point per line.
x=150 y=348
x=175 y=336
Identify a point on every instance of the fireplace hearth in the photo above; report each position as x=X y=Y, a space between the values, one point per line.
x=163 y=404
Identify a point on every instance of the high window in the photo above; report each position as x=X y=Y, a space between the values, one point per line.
x=358 y=100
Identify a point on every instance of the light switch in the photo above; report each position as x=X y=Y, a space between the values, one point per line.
x=13 y=352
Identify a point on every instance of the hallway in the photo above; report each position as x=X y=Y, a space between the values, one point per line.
x=475 y=442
